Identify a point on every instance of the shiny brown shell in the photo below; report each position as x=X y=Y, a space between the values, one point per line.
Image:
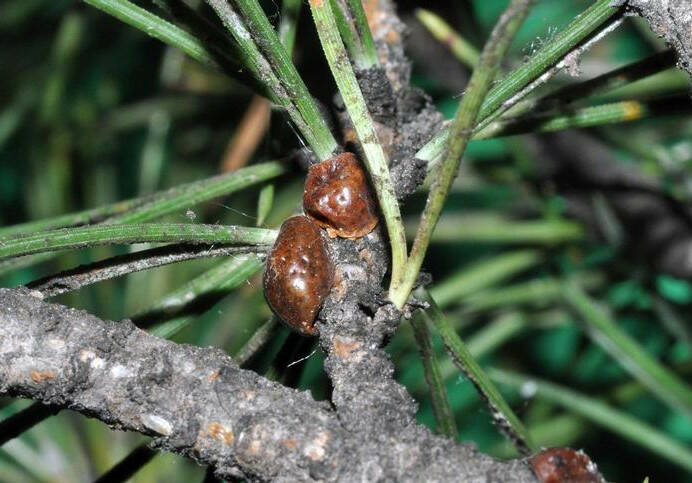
x=299 y=274
x=337 y=197
x=558 y=465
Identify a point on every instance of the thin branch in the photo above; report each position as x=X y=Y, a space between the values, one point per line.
x=76 y=278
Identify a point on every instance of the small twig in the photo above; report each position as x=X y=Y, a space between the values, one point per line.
x=71 y=280
x=571 y=57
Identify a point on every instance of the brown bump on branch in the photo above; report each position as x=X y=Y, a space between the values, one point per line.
x=289 y=443
x=41 y=376
x=345 y=348
x=220 y=432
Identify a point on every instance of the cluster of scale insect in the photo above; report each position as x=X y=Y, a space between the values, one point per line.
x=298 y=277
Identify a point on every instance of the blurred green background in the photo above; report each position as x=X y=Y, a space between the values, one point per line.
x=93 y=111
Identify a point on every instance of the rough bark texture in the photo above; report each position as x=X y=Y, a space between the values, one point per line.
x=197 y=402
x=670 y=19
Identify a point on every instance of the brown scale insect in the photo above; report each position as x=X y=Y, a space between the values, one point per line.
x=299 y=274
x=337 y=197
x=558 y=465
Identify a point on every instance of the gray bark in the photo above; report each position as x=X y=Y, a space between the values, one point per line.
x=197 y=402
x=670 y=19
